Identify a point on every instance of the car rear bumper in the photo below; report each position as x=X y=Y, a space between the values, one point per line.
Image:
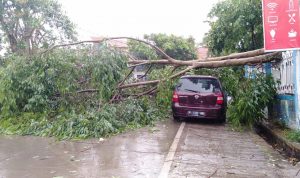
x=213 y=112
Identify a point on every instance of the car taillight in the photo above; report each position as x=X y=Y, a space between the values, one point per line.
x=220 y=100
x=175 y=98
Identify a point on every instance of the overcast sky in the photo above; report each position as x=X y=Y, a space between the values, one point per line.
x=137 y=17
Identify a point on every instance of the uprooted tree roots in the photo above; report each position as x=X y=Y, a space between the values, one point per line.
x=180 y=67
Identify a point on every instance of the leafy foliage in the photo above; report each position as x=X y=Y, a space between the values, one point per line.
x=65 y=94
x=236 y=26
x=112 y=119
x=294 y=135
x=59 y=80
x=141 y=50
x=252 y=98
x=176 y=47
x=31 y=24
x=165 y=88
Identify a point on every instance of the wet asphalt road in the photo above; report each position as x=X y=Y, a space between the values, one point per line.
x=203 y=150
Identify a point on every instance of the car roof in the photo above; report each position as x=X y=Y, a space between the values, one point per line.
x=199 y=76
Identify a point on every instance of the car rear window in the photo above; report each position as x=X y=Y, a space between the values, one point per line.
x=199 y=85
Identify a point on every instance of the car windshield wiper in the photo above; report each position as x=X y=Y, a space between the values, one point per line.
x=191 y=90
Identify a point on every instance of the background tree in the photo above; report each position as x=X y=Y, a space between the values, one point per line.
x=176 y=47
x=141 y=50
x=236 y=26
x=31 y=24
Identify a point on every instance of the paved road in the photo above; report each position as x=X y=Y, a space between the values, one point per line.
x=209 y=150
x=202 y=150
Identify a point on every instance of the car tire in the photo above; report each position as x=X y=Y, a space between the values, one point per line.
x=223 y=119
x=176 y=118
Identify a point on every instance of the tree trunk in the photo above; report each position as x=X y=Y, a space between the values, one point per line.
x=13 y=43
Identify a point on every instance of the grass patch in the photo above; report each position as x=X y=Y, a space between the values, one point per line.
x=290 y=134
x=293 y=135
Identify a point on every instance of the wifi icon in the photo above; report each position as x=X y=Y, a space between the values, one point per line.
x=272 y=5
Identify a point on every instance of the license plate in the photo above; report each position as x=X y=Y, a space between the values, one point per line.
x=196 y=113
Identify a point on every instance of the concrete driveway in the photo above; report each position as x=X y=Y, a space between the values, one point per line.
x=171 y=149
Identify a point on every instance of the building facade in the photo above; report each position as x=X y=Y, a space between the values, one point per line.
x=286 y=73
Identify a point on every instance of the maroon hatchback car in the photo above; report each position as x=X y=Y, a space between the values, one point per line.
x=199 y=97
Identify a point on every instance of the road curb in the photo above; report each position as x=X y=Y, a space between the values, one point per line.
x=290 y=148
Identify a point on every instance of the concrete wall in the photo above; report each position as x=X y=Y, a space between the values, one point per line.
x=296 y=61
x=284 y=110
x=287 y=108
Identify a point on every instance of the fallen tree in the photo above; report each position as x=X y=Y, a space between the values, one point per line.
x=74 y=92
x=180 y=67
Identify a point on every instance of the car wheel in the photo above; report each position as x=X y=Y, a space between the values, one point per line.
x=223 y=119
x=176 y=118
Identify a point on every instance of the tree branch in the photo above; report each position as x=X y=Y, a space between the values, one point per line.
x=127 y=76
x=238 y=55
x=212 y=64
x=146 y=92
x=87 y=91
x=146 y=73
x=139 y=84
x=112 y=38
x=239 y=62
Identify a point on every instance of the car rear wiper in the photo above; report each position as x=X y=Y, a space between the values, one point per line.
x=191 y=90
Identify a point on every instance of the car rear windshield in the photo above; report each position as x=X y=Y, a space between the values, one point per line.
x=199 y=85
